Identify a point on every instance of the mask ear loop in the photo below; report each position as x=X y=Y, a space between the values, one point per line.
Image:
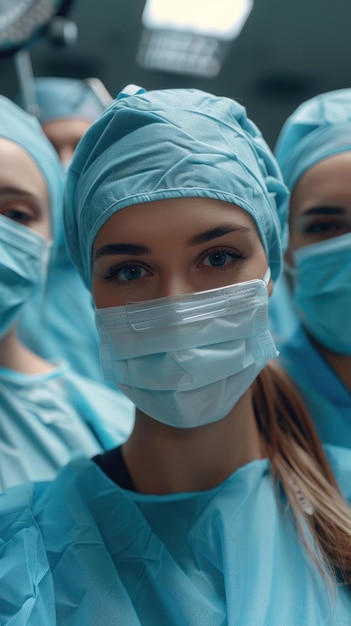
x=267 y=275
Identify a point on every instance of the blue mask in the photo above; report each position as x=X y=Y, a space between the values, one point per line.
x=24 y=256
x=323 y=291
x=186 y=360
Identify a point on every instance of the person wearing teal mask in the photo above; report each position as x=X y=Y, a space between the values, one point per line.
x=314 y=153
x=66 y=109
x=47 y=412
x=221 y=506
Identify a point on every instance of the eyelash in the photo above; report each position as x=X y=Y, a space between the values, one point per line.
x=112 y=272
x=17 y=215
x=235 y=256
x=18 y=212
x=323 y=226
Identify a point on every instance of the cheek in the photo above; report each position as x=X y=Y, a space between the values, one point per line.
x=47 y=232
x=296 y=239
x=98 y=293
x=45 y=226
x=259 y=263
x=288 y=257
x=103 y=293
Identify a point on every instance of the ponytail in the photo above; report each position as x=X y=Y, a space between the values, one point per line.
x=300 y=467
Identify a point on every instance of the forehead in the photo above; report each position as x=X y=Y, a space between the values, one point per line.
x=176 y=217
x=327 y=181
x=10 y=153
x=19 y=170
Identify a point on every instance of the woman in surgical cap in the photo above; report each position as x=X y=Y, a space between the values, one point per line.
x=47 y=412
x=314 y=152
x=221 y=507
x=66 y=109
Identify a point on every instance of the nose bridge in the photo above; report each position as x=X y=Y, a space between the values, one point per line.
x=175 y=282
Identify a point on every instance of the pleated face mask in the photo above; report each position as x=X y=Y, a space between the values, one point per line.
x=24 y=256
x=186 y=360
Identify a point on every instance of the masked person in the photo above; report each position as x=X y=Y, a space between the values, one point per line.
x=314 y=152
x=173 y=213
x=47 y=412
x=66 y=108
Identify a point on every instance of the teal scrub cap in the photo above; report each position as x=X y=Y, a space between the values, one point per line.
x=60 y=98
x=23 y=129
x=318 y=129
x=170 y=144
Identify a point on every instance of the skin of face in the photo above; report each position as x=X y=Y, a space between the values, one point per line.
x=320 y=205
x=24 y=195
x=171 y=247
x=65 y=134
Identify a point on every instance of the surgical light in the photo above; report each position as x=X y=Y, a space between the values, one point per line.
x=190 y=36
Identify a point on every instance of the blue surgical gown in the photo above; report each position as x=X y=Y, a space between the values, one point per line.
x=81 y=551
x=325 y=395
x=45 y=418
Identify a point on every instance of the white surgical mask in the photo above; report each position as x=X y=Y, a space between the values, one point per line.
x=24 y=256
x=323 y=291
x=186 y=360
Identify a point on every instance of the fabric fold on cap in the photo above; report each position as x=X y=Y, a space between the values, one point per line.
x=171 y=144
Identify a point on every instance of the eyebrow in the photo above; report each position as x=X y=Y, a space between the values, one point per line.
x=15 y=191
x=218 y=231
x=121 y=248
x=138 y=249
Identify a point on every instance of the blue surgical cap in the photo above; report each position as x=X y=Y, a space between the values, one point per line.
x=23 y=129
x=61 y=98
x=171 y=144
x=317 y=130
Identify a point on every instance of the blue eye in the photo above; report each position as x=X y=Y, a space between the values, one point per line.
x=17 y=215
x=130 y=272
x=219 y=258
x=125 y=273
x=322 y=227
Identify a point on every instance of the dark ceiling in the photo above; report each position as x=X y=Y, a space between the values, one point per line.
x=286 y=53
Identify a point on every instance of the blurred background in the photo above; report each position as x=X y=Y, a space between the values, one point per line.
x=280 y=54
